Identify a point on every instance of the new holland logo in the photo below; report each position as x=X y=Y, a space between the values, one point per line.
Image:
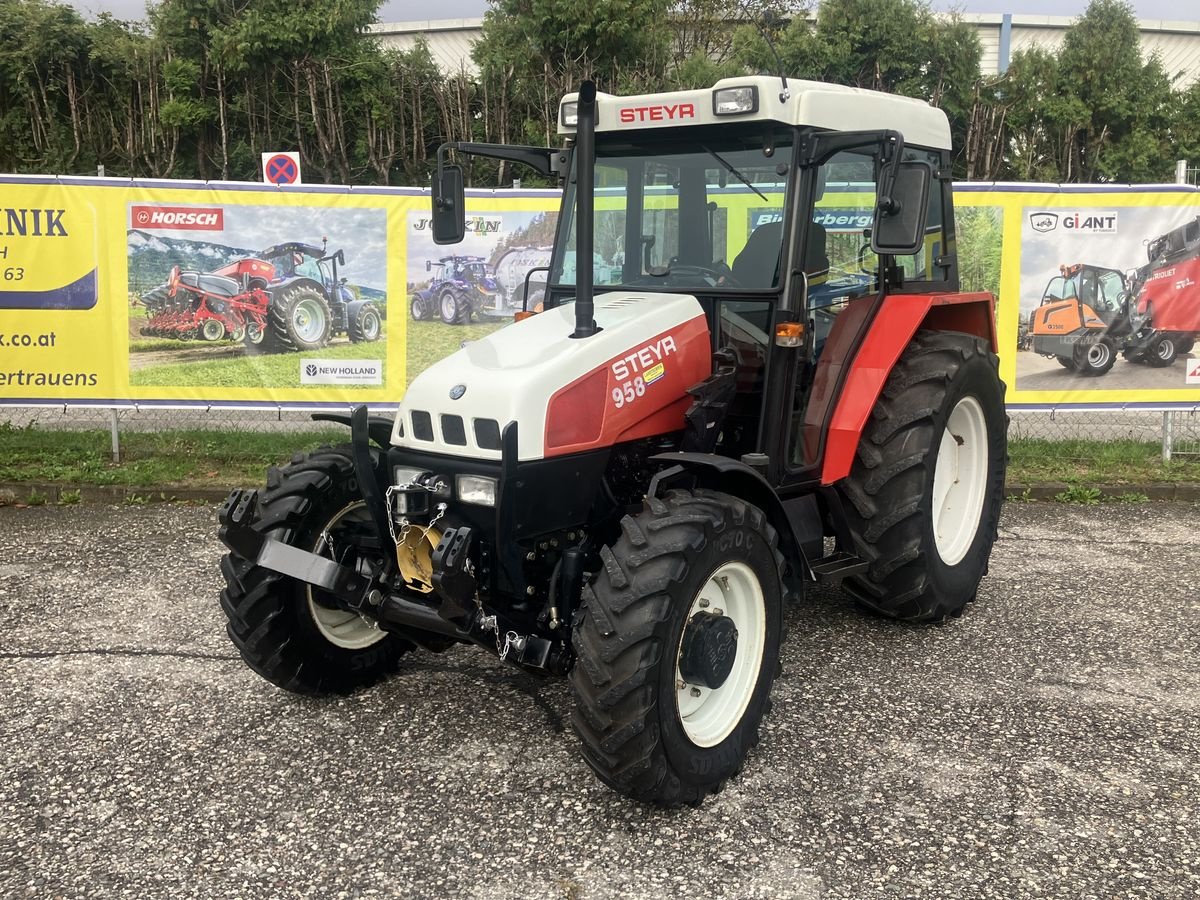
x=341 y=371
x=1043 y=221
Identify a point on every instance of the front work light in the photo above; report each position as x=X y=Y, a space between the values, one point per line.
x=570 y=114
x=476 y=489
x=734 y=101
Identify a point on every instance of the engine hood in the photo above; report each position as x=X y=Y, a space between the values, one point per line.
x=567 y=395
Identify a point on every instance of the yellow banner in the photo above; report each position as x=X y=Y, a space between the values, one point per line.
x=236 y=294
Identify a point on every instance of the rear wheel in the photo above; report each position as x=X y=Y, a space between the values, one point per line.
x=925 y=489
x=298 y=320
x=454 y=310
x=291 y=634
x=1095 y=359
x=677 y=645
x=212 y=329
x=1184 y=346
x=1162 y=352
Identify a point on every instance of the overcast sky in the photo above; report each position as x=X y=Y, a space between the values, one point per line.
x=405 y=10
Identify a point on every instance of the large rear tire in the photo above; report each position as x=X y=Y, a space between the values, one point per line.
x=925 y=490
x=298 y=319
x=288 y=632
x=453 y=309
x=694 y=577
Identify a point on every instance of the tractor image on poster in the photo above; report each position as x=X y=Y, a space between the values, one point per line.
x=288 y=297
x=459 y=287
x=625 y=487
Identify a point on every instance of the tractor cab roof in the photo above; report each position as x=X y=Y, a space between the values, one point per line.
x=293 y=247
x=762 y=98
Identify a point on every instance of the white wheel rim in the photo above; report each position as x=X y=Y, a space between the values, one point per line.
x=1098 y=355
x=449 y=306
x=1165 y=348
x=213 y=330
x=371 y=326
x=709 y=715
x=960 y=480
x=347 y=630
x=309 y=320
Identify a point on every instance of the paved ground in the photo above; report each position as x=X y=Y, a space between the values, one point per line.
x=1037 y=373
x=1047 y=744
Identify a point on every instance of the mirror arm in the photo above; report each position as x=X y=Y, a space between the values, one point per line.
x=542 y=159
x=893 y=152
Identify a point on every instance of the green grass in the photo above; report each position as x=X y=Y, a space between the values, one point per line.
x=1096 y=462
x=270 y=370
x=150 y=460
x=143 y=345
x=429 y=342
x=236 y=458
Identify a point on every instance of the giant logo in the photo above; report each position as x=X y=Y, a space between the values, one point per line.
x=1080 y=221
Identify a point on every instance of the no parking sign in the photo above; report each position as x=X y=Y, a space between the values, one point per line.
x=281 y=168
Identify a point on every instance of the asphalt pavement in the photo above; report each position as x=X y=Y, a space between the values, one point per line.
x=1047 y=744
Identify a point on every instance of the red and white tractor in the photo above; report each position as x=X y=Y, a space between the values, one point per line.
x=624 y=487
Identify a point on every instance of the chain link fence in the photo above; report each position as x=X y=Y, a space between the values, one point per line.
x=1177 y=431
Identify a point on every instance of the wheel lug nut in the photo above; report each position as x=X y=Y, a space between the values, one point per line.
x=695 y=692
x=703 y=603
x=717 y=611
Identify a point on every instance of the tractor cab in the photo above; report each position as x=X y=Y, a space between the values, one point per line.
x=297 y=260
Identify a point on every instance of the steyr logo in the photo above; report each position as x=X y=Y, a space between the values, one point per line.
x=179 y=218
x=666 y=112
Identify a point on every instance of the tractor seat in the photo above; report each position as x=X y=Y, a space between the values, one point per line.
x=212 y=284
x=756 y=265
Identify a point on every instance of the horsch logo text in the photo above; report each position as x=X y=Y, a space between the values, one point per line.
x=180 y=218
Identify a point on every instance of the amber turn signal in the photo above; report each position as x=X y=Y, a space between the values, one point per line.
x=789 y=334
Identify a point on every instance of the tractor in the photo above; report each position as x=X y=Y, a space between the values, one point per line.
x=625 y=487
x=459 y=288
x=289 y=297
x=1088 y=314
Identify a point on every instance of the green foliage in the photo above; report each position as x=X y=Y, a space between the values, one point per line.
x=69 y=498
x=205 y=86
x=1086 y=496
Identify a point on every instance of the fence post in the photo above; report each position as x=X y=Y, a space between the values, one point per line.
x=116 y=434
x=1168 y=426
x=1181 y=171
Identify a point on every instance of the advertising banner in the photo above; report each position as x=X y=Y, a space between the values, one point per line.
x=182 y=294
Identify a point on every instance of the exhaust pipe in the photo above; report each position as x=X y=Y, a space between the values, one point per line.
x=585 y=181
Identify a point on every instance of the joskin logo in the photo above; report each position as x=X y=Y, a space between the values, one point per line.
x=1080 y=221
x=179 y=218
x=341 y=371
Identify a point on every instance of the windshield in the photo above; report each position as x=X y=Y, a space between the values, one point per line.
x=700 y=207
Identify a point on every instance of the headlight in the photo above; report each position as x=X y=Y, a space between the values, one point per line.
x=476 y=489
x=732 y=101
x=570 y=114
x=402 y=475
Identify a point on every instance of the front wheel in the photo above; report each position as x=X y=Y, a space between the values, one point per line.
x=1095 y=359
x=291 y=634
x=298 y=320
x=366 y=324
x=677 y=644
x=925 y=489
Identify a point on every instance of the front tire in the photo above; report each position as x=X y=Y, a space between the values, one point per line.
x=695 y=576
x=286 y=631
x=367 y=324
x=1095 y=359
x=453 y=309
x=925 y=489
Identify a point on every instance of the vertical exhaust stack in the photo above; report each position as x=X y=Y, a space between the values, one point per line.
x=585 y=182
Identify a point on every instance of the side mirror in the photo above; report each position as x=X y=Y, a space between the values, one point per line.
x=428 y=265
x=341 y=257
x=449 y=224
x=899 y=228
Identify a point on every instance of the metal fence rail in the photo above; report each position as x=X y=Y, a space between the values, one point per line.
x=1178 y=431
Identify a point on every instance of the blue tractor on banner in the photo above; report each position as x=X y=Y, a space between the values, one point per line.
x=459 y=287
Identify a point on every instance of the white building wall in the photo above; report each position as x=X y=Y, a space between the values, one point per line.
x=1177 y=43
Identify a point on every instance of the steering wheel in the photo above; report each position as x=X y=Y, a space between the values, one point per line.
x=717 y=274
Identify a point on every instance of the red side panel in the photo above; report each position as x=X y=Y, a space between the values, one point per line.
x=898 y=320
x=1175 y=293
x=641 y=393
x=252 y=267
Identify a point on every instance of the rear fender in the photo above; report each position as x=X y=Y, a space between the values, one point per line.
x=900 y=317
x=278 y=288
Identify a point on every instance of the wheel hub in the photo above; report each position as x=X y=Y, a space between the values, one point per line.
x=709 y=649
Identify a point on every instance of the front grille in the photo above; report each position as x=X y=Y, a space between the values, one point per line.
x=453 y=431
x=422 y=425
x=487 y=434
